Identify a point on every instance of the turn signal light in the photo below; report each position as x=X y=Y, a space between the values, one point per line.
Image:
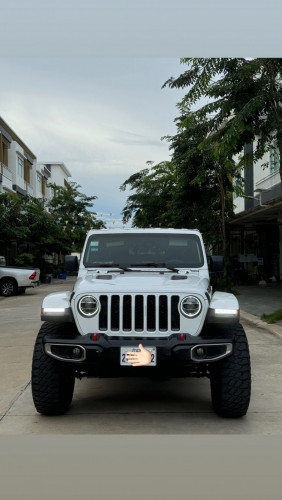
x=181 y=336
x=32 y=276
x=94 y=336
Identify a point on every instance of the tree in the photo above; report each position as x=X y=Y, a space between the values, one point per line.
x=70 y=210
x=154 y=187
x=205 y=180
x=194 y=190
x=25 y=220
x=39 y=232
x=11 y=208
x=244 y=102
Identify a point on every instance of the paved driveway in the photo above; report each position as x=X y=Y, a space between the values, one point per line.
x=128 y=406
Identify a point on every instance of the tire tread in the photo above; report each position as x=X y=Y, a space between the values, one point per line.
x=52 y=383
x=231 y=381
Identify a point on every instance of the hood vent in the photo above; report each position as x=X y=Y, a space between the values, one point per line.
x=104 y=277
x=179 y=277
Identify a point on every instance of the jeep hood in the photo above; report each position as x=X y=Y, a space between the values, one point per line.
x=142 y=282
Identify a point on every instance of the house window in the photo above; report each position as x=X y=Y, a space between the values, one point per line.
x=274 y=159
x=4 y=150
x=236 y=184
x=20 y=167
x=39 y=183
x=43 y=183
x=26 y=172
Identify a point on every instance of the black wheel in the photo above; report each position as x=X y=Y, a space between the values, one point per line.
x=231 y=379
x=8 y=287
x=52 y=382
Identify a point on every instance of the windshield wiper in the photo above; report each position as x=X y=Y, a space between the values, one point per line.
x=117 y=266
x=155 y=264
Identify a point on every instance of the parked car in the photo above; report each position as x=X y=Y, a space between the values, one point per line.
x=15 y=280
x=142 y=305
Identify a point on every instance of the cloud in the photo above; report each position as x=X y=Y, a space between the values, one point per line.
x=102 y=117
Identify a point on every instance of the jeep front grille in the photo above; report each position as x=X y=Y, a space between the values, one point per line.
x=139 y=313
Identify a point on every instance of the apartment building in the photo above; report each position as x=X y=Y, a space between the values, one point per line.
x=55 y=172
x=256 y=230
x=16 y=163
x=21 y=173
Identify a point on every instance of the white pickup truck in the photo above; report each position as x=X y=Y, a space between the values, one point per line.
x=142 y=306
x=15 y=280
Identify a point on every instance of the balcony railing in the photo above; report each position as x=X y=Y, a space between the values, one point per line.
x=269 y=181
x=6 y=172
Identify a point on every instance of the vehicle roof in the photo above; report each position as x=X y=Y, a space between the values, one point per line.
x=144 y=231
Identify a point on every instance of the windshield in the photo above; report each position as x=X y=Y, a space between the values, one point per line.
x=141 y=250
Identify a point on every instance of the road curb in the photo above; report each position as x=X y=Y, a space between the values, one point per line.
x=255 y=321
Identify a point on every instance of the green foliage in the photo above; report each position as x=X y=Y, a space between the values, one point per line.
x=154 y=190
x=244 y=97
x=273 y=317
x=70 y=210
x=24 y=260
x=191 y=191
x=195 y=189
x=40 y=232
x=11 y=216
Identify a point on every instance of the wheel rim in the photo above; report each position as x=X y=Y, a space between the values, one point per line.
x=7 y=289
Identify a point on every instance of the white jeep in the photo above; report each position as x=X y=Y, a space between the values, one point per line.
x=142 y=291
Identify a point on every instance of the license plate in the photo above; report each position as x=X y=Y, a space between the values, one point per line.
x=124 y=351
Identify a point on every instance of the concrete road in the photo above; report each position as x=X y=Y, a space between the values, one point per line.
x=128 y=406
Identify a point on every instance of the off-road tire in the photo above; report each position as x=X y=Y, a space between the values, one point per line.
x=230 y=380
x=52 y=382
x=8 y=287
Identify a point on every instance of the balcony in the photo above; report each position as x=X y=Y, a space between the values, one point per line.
x=29 y=189
x=7 y=178
x=269 y=181
x=6 y=172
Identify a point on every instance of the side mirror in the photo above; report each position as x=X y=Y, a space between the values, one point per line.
x=71 y=263
x=216 y=263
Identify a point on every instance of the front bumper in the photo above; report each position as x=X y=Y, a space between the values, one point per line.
x=103 y=353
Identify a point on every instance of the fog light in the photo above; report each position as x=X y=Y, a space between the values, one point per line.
x=76 y=352
x=200 y=351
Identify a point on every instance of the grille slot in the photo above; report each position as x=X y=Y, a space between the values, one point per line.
x=127 y=313
x=151 y=313
x=163 y=313
x=115 y=313
x=103 y=316
x=175 y=317
x=139 y=313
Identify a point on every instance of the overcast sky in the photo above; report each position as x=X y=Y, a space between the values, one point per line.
x=80 y=82
x=103 y=117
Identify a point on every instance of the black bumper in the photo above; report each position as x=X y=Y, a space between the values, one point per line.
x=102 y=355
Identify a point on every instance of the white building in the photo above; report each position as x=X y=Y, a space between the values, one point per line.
x=16 y=163
x=21 y=174
x=256 y=235
x=45 y=173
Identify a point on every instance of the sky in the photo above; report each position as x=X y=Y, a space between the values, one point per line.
x=103 y=117
x=81 y=82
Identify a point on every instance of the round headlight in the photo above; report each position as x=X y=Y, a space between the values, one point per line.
x=191 y=306
x=88 y=306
